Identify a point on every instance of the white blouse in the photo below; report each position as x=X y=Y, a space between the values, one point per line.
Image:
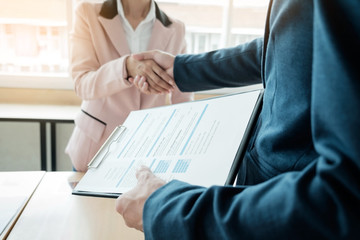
x=138 y=39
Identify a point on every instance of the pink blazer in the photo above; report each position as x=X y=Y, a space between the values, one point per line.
x=98 y=51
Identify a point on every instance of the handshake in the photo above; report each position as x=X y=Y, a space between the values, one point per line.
x=151 y=72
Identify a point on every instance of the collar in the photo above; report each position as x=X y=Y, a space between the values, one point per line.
x=109 y=10
x=149 y=17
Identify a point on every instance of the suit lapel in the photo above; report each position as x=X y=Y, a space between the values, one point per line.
x=114 y=30
x=160 y=36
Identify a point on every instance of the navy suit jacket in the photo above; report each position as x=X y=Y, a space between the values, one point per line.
x=300 y=177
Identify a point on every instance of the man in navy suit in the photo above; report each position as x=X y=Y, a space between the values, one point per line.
x=300 y=177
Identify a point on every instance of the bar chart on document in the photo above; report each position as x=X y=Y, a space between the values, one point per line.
x=192 y=142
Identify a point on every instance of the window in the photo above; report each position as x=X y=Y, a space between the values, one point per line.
x=213 y=24
x=34 y=34
x=33 y=43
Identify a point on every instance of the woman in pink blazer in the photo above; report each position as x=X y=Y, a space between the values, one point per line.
x=103 y=38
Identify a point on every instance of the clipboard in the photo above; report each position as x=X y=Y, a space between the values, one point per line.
x=245 y=142
x=100 y=156
x=128 y=140
x=105 y=148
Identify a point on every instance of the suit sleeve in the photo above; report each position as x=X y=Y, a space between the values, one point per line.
x=92 y=78
x=177 y=96
x=319 y=202
x=230 y=67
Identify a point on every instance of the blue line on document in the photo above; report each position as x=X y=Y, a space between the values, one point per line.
x=181 y=166
x=127 y=170
x=152 y=163
x=162 y=167
x=172 y=115
x=196 y=125
x=133 y=135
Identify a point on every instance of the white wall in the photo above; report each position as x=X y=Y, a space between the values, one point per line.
x=20 y=146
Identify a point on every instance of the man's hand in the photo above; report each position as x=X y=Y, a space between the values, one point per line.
x=164 y=60
x=131 y=204
x=158 y=80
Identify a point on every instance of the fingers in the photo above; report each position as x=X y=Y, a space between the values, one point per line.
x=143 y=173
x=157 y=84
x=140 y=83
x=145 y=88
x=146 y=178
x=163 y=75
x=131 y=204
x=156 y=77
x=163 y=59
x=120 y=204
x=157 y=80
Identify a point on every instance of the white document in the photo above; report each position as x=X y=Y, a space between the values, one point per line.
x=195 y=142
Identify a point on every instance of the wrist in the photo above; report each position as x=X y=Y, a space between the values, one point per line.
x=127 y=68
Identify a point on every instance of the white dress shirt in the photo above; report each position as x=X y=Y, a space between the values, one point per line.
x=138 y=39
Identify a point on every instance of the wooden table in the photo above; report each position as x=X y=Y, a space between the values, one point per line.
x=54 y=213
x=16 y=188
